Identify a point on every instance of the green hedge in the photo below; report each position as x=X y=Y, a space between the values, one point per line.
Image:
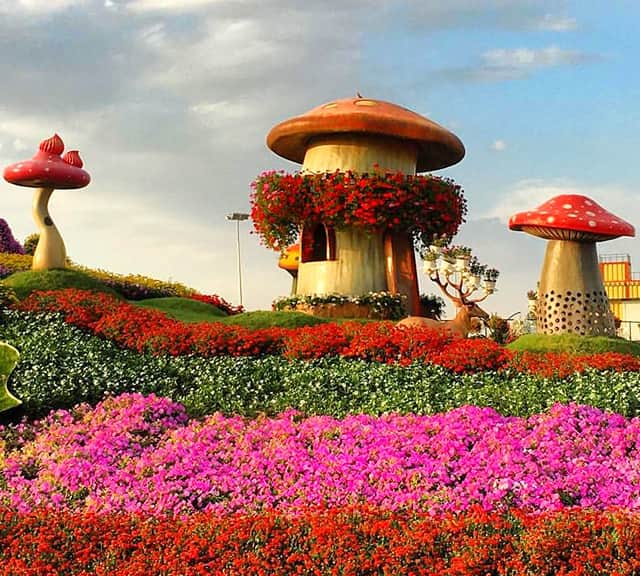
x=61 y=366
x=574 y=344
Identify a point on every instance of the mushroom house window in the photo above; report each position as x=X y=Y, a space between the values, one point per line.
x=318 y=243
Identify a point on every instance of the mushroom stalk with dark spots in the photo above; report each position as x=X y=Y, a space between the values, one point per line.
x=46 y=171
x=571 y=296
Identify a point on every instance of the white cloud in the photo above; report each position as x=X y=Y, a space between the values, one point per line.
x=12 y=7
x=521 y=61
x=512 y=63
x=499 y=145
x=555 y=23
x=169 y=5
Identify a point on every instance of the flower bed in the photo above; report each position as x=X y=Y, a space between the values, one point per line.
x=143 y=454
x=551 y=479
x=151 y=331
x=356 y=541
x=61 y=366
x=424 y=206
x=374 y=305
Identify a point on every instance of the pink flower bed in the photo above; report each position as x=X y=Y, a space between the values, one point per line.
x=143 y=454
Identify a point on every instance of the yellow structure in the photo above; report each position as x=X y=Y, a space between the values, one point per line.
x=623 y=290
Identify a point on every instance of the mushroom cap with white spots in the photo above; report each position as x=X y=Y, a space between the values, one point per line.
x=571 y=217
x=47 y=169
x=436 y=146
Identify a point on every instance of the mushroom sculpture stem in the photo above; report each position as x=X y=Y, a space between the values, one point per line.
x=50 y=252
x=572 y=297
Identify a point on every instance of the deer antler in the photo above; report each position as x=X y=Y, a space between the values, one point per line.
x=461 y=296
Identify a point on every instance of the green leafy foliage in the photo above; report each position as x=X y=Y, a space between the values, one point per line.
x=9 y=357
x=61 y=366
x=268 y=319
x=7 y=296
x=23 y=283
x=183 y=309
x=31 y=243
x=574 y=344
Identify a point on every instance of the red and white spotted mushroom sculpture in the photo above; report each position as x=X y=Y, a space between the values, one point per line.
x=46 y=171
x=571 y=296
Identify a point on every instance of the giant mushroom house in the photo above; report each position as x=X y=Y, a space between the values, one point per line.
x=46 y=171
x=571 y=296
x=360 y=138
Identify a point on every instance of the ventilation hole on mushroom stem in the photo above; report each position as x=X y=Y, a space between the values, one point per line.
x=565 y=306
x=568 y=292
x=573 y=299
x=552 y=292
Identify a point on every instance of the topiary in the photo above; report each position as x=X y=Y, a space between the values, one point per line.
x=7 y=241
x=9 y=357
x=30 y=243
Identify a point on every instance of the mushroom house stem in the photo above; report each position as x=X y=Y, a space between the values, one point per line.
x=50 y=252
x=571 y=297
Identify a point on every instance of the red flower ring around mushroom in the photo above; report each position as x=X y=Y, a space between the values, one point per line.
x=424 y=206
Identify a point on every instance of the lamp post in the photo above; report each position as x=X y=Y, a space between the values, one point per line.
x=238 y=217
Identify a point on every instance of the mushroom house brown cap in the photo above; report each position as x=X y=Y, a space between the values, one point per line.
x=437 y=147
x=47 y=169
x=571 y=217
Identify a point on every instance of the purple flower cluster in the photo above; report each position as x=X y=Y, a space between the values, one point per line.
x=7 y=241
x=143 y=454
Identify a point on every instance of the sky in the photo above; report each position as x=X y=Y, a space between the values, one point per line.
x=170 y=102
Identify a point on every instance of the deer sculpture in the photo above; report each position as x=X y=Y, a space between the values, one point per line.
x=459 y=327
x=457 y=287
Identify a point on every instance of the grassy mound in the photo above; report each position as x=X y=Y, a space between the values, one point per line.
x=269 y=319
x=574 y=344
x=183 y=309
x=26 y=282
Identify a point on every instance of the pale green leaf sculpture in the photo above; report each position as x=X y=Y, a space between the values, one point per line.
x=9 y=357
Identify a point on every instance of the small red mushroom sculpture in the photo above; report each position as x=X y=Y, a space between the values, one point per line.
x=571 y=296
x=46 y=171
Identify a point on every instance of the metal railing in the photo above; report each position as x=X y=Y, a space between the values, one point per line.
x=614 y=258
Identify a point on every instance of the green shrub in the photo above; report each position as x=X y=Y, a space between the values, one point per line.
x=7 y=296
x=8 y=359
x=183 y=309
x=574 y=344
x=23 y=283
x=269 y=319
x=61 y=366
x=31 y=243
